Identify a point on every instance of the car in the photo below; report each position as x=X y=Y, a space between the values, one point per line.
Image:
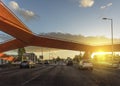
x=46 y=62
x=115 y=64
x=16 y=63
x=27 y=64
x=69 y=63
x=85 y=64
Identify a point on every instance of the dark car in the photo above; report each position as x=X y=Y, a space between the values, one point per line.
x=69 y=63
x=27 y=64
x=46 y=62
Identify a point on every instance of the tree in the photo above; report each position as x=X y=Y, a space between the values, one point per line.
x=21 y=51
x=77 y=58
x=68 y=58
x=58 y=58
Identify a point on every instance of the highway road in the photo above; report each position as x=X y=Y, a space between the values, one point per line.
x=59 y=75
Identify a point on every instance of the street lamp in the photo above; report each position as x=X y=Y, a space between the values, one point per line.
x=111 y=33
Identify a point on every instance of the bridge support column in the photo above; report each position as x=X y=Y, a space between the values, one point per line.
x=87 y=55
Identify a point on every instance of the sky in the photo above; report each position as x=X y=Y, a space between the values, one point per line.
x=77 y=17
x=68 y=16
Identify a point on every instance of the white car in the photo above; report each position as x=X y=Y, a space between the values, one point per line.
x=85 y=64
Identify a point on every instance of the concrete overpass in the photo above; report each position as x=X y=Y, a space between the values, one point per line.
x=11 y=25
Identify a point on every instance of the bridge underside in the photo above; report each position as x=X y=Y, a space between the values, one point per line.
x=11 y=25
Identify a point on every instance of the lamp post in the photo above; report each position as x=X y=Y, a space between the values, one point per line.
x=111 y=34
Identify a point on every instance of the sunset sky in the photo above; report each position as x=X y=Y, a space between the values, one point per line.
x=82 y=17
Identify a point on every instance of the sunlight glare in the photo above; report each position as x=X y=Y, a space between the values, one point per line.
x=100 y=53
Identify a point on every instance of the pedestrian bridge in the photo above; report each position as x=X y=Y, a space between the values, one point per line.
x=24 y=37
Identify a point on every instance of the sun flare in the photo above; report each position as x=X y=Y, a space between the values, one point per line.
x=100 y=53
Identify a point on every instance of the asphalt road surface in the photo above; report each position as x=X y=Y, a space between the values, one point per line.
x=59 y=75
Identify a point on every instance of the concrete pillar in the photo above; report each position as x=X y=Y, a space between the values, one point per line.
x=87 y=55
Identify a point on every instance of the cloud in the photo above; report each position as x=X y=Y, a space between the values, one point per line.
x=109 y=4
x=26 y=14
x=92 y=40
x=106 y=6
x=14 y=5
x=103 y=7
x=86 y=3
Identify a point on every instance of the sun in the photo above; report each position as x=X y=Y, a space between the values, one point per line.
x=100 y=53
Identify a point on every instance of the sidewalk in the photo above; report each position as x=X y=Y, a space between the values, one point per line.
x=7 y=66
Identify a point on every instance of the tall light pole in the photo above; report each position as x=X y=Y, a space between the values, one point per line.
x=111 y=34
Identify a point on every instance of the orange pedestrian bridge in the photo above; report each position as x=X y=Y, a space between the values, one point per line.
x=24 y=37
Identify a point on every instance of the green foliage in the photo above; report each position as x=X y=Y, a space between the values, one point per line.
x=77 y=58
x=21 y=51
x=58 y=58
